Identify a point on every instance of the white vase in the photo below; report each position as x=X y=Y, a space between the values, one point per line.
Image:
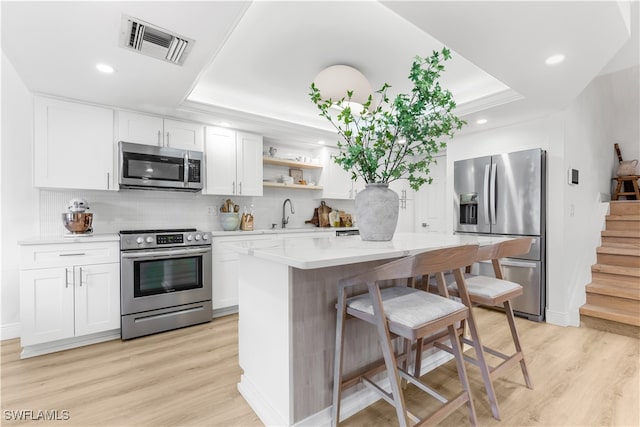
x=377 y=212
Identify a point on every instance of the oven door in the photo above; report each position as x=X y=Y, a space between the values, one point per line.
x=161 y=278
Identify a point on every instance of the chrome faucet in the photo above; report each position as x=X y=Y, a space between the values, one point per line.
x=285 y=221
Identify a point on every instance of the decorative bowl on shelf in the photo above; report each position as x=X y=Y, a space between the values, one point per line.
x=229 y=220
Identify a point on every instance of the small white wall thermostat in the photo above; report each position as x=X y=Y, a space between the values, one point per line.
x=573 y=176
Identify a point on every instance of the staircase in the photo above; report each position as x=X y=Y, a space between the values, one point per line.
x=613 y=296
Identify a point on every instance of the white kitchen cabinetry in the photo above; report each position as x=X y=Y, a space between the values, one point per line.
x=233 y=162
x=68 y=291
x=335 y=181
x=431 y=201
x=73 y=145
x=152 y=130
x=225 y=266
x=406 y=213
x=225 y=272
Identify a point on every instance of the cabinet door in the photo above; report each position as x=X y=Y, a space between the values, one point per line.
x=97 y=298
x=220 y=159
x=406 y=217
x=225 y=278
x=73 y=145
x=335 y=181
x=46 y=305
x=249 y=164
x=139 y=128
x=431 y=201
x=185 y=135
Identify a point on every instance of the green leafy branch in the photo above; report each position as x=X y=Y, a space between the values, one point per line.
x=395 y=139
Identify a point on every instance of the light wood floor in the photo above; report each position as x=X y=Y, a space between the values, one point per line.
x=188 y=378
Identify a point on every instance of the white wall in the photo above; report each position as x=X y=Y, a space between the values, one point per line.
x=607 y=111
x=619 y=109
x=579 y=137
x=18 y=198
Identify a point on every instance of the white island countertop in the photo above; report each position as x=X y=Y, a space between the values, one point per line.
x=320 y=252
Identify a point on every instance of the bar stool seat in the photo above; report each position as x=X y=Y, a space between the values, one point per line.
x=486 y=290
x=410 y=314
x=407 y=307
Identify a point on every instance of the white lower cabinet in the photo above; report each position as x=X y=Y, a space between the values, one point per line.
x=68 y=291
x=225 y=266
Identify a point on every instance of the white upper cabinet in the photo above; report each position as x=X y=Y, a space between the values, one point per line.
x=186 y=135
x=73 y=145
x=153 y=130
x=233 y=162
x=249 y=170
x=140 y=128
x=336 y=181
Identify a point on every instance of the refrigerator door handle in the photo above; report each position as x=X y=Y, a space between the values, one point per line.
x=485 y=201
x=492 y=193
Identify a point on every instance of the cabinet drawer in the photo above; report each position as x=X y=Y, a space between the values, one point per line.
x=58 y=255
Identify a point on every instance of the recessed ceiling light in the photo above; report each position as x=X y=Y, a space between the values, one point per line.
x=104 y=68
x=321 y=142
x=554 y=59
x=481 y=121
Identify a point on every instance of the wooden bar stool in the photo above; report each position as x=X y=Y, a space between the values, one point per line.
x=493 y=291
x=620 y=186
x=401 y=311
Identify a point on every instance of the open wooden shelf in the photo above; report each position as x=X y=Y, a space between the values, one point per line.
x=290 y=163
x=293 y=186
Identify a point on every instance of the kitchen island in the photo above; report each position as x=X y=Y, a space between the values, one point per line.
x=286 y=332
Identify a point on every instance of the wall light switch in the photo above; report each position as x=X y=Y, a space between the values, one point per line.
x=573 y=176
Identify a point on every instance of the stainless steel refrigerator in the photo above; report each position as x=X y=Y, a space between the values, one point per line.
x=505 y=195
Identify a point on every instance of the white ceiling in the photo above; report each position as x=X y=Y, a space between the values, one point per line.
x=253 y=62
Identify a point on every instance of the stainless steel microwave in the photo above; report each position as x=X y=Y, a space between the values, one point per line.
x=160 y=168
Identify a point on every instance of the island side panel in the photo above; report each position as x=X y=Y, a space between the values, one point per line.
x=264 y=339
x=314 y=296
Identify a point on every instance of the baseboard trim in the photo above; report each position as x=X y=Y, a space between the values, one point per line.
x=267 y=414
x=558 y=318
x=66 y=344
x=10 y=331
x=220 y=312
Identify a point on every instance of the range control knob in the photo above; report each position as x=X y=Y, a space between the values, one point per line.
x=189 y=237
x=198 y=237
x=205 y=236
x=139 y=240
x=149 y=239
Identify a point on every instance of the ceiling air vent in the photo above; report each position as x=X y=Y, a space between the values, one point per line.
x=154 y=41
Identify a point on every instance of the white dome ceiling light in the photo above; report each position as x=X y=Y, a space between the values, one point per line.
x=334 y=82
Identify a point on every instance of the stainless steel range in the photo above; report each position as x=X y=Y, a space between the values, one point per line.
x=165 y=280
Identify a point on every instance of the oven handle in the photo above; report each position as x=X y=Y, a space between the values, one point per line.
x=164 y=254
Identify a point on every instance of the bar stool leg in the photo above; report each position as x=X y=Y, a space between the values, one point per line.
x=482 y=364
x=462 y=373
x=516 y=341
x=337 y=363
x=389 y=357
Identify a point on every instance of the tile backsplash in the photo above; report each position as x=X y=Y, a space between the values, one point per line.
x=140 y=209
